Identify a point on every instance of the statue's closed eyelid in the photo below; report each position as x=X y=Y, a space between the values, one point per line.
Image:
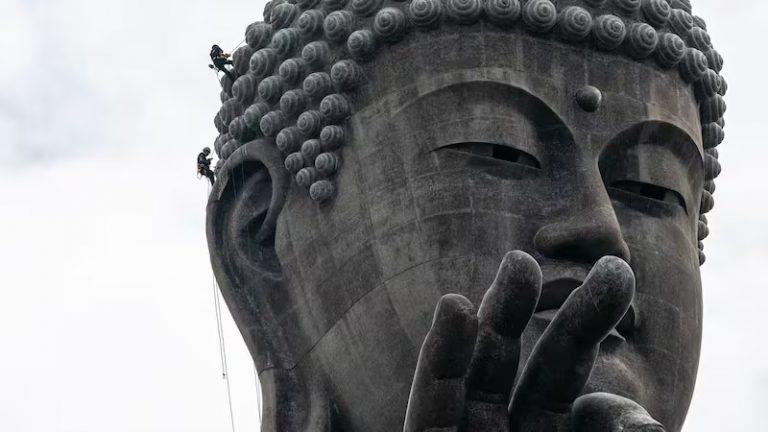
x=499 y=152
x=650 y=191
x=655 y=153
x=652 y=172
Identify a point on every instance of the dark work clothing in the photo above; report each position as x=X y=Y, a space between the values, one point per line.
x=208 y=173
x=220 y=62
x=204 y=167
x=216 y=52
x=202 y=160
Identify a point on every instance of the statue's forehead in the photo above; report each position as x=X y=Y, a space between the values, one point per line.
x=634 y=92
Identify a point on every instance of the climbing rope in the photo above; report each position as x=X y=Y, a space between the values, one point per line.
x=222 y=344
x=223 y=351
x=238 y=45
x=258 y=391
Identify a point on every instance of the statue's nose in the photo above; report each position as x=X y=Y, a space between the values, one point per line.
x=586 y=234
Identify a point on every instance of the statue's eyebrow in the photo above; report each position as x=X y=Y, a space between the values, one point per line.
x=676 y=145
x=495 y=102
x=493 y=87
x=658 y=132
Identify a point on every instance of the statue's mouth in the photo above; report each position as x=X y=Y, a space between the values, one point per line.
x=556 y=291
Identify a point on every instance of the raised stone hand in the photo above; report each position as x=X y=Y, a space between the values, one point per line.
x=468 y=362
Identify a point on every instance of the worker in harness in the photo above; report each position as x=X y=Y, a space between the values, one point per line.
x=220 y=61
x=204 y=164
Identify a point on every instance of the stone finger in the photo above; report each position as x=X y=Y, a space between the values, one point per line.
x=438 y=391
x=503 y=315
x=562 y=360
x=604 y=412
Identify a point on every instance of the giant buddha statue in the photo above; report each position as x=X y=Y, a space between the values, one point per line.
x=469 y=215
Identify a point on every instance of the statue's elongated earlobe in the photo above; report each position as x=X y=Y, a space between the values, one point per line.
x=242 y=216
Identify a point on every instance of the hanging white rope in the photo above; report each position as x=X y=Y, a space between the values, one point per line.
x=220 y=329
x=220 y=336
x=258 y=392
x=241 y=43
x=223 y=351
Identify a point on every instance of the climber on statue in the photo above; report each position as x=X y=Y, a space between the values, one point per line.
x=204 y=164
x=220 y=61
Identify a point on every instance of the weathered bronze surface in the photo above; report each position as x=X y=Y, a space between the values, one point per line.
x=380 y=159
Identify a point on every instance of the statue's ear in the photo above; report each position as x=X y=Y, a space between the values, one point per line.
x=248 y=195
x=243 y=209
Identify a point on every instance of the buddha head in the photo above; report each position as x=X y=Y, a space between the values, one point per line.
x=377 y=154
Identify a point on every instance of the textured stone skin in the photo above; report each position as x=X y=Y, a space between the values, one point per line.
x=334 y=300
x=639 y=29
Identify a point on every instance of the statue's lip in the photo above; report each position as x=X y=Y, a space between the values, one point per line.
x=555 y=292
x=549 y=314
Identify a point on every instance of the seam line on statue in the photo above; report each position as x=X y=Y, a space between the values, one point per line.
x=383 y=284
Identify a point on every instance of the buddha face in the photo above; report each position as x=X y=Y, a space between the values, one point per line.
x=449 y=167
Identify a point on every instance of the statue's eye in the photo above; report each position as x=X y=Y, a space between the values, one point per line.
x=650 y=191
x=498 y=152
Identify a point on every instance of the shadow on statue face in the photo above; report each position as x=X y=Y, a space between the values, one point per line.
x=446 y=169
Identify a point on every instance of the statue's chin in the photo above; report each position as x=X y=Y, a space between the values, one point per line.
x=625 y=368
x=616 y=369
x=613 y=375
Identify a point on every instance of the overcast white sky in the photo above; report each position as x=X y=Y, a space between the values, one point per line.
x=106 y=317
